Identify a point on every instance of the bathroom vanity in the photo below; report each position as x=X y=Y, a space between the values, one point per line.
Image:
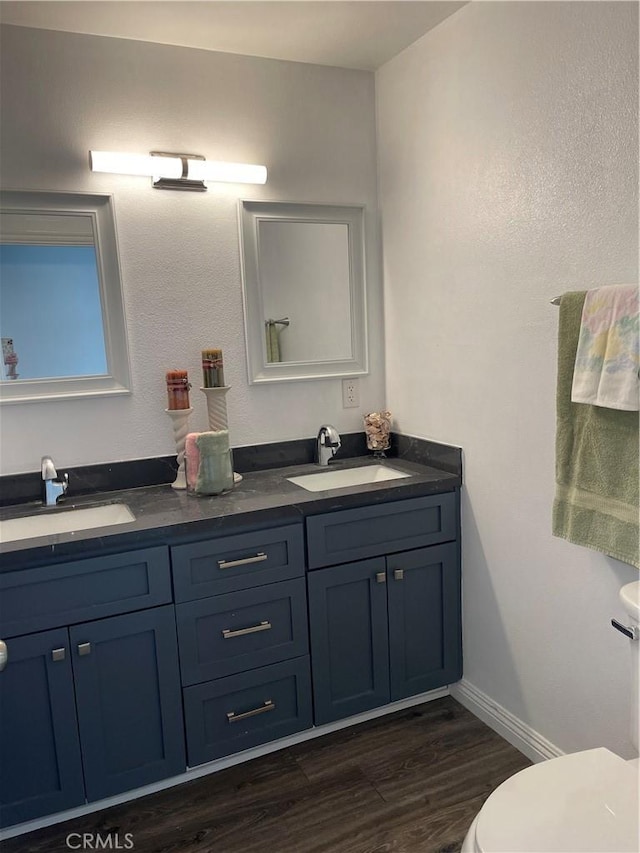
x=208 y=627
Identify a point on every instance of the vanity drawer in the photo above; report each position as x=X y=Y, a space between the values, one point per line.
x=66 y=593
x=355 y=534
x=238 y=631
x=235 y=713
x=230 y=563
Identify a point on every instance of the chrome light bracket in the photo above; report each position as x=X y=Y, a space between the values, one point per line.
x=182 y=183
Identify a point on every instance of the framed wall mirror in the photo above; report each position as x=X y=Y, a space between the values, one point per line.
x=62 y=319
x=304 y=291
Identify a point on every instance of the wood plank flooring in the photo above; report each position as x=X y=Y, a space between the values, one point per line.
x=410 y=782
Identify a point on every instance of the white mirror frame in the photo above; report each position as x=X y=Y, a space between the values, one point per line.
x=117 y=379
x=251 y=213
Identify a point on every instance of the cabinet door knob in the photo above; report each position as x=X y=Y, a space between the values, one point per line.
x=4 y=655
x=381 y=577
x=58 y=654
x=84 y=649
x=398 y=574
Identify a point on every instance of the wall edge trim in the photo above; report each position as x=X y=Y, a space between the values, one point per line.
x=518 y=733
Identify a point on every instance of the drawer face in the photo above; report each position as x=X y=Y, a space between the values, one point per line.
x=66 y=593
x=229 y=563
x=243 y=630
x=241 y=711
x=355 y=534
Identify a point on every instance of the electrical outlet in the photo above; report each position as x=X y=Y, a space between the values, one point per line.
x=350 y=394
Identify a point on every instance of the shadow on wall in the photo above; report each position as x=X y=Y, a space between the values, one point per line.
x=528 y=667
x=477 y=576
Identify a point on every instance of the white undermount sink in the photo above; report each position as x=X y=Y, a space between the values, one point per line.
x=47 y=523
x=321 y=481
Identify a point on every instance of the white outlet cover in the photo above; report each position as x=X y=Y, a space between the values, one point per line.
x=350 y=393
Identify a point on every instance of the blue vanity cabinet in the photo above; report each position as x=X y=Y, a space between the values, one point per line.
x=40 y=762
x=425 y=644
x=241 y=611
x=385 y=528
x=230 y=714
x=94 y=707
x=67 y=593
x=388 y=627
x=127 y=685
x=349 y=639
x=125 y=669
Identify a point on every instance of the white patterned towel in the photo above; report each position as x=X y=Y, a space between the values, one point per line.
x=608 y=357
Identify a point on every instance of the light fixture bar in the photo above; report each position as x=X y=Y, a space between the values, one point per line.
x=167 y=179
x=176 y=171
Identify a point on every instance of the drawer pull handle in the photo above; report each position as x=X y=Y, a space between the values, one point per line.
x=4 y=655
x=227 y=633
x=232 y=717
x=84 y=649
x=381 y=577
x=398 y=574
x=58 y=654
x=259 y=558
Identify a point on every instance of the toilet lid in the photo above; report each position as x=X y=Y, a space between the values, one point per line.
x=586 y=801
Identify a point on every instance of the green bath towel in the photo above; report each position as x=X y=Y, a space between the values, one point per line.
x=596 y=503
x=273 y=341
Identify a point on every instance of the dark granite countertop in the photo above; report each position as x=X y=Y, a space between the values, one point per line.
x=167 y=516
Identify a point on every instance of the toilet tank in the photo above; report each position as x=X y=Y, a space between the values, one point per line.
x=630 y=598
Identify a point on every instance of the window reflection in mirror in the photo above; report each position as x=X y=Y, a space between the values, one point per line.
x=61 y=311
x=50 y=312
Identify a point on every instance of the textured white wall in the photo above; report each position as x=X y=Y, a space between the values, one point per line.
x=314 y=127
x=508 y=174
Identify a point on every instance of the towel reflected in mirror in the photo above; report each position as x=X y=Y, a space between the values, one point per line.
x=272 y=336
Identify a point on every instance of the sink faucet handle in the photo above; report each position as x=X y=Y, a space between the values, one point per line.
x=48 y=468
x=53 y=487
x=328 y=442
x=329 y=436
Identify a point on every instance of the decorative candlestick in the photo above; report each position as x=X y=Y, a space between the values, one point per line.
x=217 y=412
x=217 y=406
x=180 y=423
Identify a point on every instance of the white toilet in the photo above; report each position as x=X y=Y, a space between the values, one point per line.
x=586 y=801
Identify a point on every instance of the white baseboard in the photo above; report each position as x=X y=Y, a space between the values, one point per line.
x=530 y=742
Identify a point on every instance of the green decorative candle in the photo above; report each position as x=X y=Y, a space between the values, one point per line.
x=212 y=368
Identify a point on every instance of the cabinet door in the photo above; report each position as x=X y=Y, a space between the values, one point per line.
x=424 y=619
x=40 y=766
x=129 y=702
x=349 y=639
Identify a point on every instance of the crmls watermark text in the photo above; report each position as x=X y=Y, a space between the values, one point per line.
x=97 y=841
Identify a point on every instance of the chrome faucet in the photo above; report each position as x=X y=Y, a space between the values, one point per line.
x=53 y=487
x=328 y=442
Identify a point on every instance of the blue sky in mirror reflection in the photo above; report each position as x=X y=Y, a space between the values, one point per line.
x=50 y=307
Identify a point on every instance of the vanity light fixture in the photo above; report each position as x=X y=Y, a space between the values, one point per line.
x=176 y=171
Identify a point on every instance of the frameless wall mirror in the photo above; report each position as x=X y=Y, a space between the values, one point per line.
x=304 y=290
x=61 y=311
